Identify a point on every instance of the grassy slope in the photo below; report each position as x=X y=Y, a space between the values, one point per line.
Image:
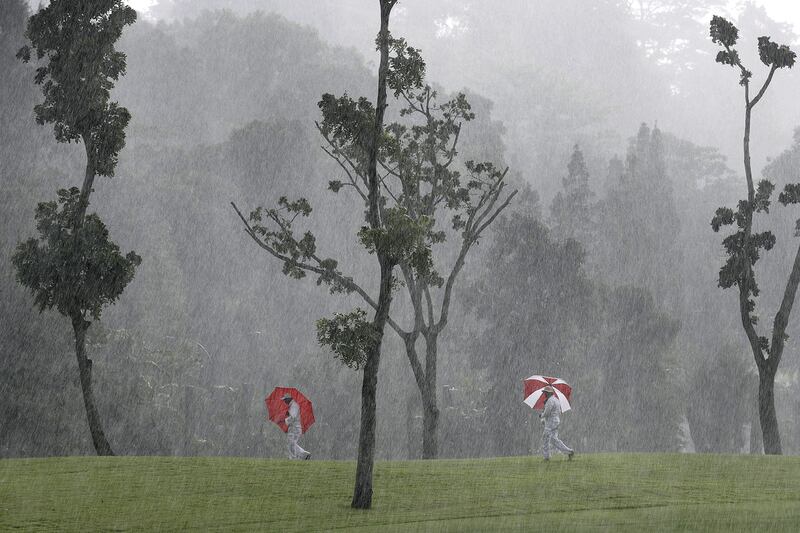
x=593 y=492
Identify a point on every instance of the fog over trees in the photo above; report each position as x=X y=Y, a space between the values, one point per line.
x=538 y=200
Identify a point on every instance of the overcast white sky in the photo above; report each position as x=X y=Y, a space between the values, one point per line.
x=782 y=10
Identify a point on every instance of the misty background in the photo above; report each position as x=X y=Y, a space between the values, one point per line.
x=614 y=291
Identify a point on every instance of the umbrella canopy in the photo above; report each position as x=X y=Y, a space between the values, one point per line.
x=534 y=391
x=277 y=408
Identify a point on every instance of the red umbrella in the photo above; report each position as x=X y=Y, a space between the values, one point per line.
x=534 y=393
x=277 y=408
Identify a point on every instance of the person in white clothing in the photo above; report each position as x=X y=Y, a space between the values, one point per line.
x=295 y=429
x=551 y=419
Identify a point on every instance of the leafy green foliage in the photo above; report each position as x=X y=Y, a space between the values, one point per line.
x=416 y=156
x=406 y=67
x=418 y=179
x=349 y=335
x=406 y=240
x=348 y=124
x=773 y=55
x=281 y=239
x=741 y=258
x=723 y=32
x=761 y=199
x=723 y=217
x=790 y=194
x=75 y=271
x=77 y=39
x=728 y=57
x=744 y=246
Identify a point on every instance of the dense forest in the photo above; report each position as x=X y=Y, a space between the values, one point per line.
x=621 y=138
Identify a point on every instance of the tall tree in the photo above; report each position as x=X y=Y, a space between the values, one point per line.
x=744 y=246
x=422 y=180
x=355 y=128
x=420 y=185
x=73 y=265
x=570 y=213
x=639 y=222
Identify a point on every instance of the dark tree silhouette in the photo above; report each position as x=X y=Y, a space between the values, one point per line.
x=72 y=265
x=571 y=211
x=355 y=129
x=744 y=246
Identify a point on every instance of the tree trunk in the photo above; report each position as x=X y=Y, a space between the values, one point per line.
x=362 y=494
x=430 y=425
x=766 y=412
x=81 y=326
x=766 y=367
x=88 y=182
x=101 y=445
x=756 y=437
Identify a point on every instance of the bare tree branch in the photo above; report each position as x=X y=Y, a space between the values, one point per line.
x=353 y=182
x=413 y=359
x=782 y=316
x=469 y=239
x=491 y=196
x=338 y=152
x=448 y=288
x=345 y=281
x=428 y=302
x=393 y=172
x=764 y=87
x=387 y=189
x=497 y=212
x=414 y=295
x=451 y=154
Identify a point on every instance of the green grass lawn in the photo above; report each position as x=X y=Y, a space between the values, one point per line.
x=610 y=492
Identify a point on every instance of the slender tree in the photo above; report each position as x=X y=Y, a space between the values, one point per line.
x=633 y=216
x=419 y=160
x=744 y=246
x=570 y=212
x=355 y=127
x=420 y=184
x=73 y=265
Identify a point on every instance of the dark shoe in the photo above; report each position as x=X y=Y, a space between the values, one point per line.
x=570 y=454
x=308 y=457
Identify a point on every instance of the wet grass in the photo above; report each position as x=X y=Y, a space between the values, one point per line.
x=619 y=492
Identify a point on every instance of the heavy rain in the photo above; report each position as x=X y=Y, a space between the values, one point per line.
x=456 y=265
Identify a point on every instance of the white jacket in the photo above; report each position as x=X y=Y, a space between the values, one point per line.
x=551 y=413
x=293 y=418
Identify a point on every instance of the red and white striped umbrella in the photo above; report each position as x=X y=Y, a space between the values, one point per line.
x=534 y=391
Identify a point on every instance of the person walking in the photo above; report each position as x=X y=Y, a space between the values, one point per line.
x=551 y=418
x=295 y=429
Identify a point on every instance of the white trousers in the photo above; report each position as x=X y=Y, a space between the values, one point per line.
x=295 y=451
x=550 y=436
